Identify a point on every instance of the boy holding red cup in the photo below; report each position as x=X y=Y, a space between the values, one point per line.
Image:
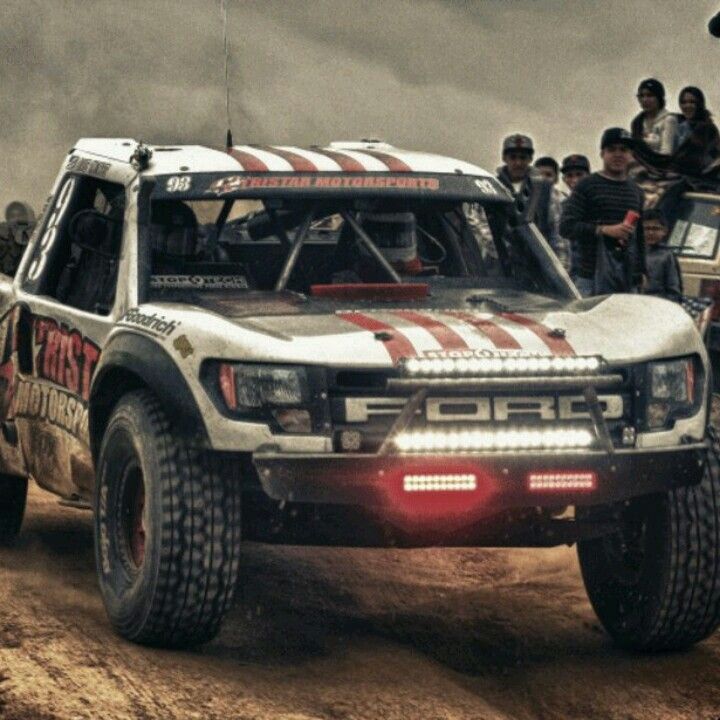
x=601 y=218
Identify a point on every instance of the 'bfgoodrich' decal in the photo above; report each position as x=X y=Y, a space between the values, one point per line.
x=156 y=325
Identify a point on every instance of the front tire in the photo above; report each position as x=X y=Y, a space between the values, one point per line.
x=13 y=495
x=655 y=584
x=167 y=529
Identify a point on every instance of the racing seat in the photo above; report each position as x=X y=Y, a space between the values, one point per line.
x=173 y=236
x=88 y=280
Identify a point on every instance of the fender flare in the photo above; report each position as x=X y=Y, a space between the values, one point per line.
x=131 y=361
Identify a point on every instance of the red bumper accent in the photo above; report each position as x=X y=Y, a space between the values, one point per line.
x=375 y=481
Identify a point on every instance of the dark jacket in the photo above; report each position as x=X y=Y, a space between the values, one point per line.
x=13 y=241
x=598 y=200
x=698 y=149
x=663 y=273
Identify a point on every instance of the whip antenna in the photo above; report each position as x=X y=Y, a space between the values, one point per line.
x=223 y=11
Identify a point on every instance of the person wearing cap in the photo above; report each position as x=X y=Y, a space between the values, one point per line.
x=611 y=250
x=654 y=124
x=547 y=166
x=521 y=180
x=574 y=168
x=662 y=265
x=550 y=170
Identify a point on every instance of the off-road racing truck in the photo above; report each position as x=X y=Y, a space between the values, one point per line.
x=324 y=346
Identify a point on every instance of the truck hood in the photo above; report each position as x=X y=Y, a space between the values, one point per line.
x=286 y=327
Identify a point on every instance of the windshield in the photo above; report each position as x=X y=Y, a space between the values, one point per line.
x=301 y=245
x=695 y=233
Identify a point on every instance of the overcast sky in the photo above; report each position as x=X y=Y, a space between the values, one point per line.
x=444 y=75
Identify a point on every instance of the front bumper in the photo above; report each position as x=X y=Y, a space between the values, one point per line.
x=376 y=481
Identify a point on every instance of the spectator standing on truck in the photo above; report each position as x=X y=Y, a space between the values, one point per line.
x=697 y=140
x=654 y=124
x=574 y=168
x=550 y=170
x=523 y=181
x=662 y=267
x=611 y=250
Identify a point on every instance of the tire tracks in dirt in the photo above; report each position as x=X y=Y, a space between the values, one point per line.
x=337 y=634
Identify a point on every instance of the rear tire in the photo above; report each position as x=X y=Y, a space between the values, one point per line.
x=13 y=495
x=167 y=529
x=655 y=585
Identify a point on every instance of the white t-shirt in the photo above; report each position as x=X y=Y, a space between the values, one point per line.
x=659 y=133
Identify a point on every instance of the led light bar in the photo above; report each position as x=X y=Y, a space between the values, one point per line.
x=481 y=440
x=510 y=365
x=457 y=482
x=562 y=481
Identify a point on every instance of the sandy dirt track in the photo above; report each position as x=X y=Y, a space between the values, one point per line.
x=336 y=634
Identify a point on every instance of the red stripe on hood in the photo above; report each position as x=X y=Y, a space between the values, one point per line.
x=501 y=338
x=397 y=345
x=298 y=162
x=394 y=164
x=249 y=162
x=444 y=334
x=557 y=345
x=346 y=163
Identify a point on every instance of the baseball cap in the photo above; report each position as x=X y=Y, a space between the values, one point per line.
x=518 y=142
x=547 y=161
x=575 y=162
x=616 y=136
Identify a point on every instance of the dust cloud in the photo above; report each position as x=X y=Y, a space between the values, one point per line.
x=442 y=75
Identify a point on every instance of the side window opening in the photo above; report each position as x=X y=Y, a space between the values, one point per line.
x=76 y=259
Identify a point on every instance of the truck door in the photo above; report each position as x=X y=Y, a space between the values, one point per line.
x=65 y=311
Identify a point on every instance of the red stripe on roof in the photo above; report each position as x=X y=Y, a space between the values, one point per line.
x=298 y=162
x=346 y=163
x=394 y=164
x=501 y=338
x=444 y=334
x=249 y=162
x=557 y=345
x=397 y=345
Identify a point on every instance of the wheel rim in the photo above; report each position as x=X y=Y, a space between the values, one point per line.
x=133 y=515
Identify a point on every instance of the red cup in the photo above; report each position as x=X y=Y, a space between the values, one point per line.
x=631 y=218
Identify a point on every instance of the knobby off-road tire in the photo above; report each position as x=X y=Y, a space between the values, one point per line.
x=656 y=586
x=167 y=529
x=13 y=494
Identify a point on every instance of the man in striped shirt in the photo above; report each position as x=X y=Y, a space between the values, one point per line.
x=595 y=213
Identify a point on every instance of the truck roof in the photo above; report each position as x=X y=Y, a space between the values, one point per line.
x=337 y=157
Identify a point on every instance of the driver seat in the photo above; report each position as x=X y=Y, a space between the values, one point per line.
x=88 y=280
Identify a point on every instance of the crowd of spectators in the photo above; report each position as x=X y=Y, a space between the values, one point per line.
x=602 y=225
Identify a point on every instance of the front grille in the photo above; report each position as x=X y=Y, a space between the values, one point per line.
x=370 y=413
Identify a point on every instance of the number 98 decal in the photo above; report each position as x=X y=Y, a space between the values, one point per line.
x=178 y=183
x=48 y=237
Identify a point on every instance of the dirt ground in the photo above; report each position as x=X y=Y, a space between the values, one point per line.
x=336 y=634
